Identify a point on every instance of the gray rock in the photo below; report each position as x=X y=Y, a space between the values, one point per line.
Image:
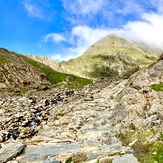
x=127 y=158
x=10 y=151
x=118 y=114
x=41 y=153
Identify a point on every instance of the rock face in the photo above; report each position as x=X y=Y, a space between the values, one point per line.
x=16 y=73
x=20 y=73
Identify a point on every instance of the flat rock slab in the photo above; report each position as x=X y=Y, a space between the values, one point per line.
x=41 y=154
x=10 y=151
x=127 y=158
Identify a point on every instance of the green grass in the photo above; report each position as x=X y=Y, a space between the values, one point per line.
x=3 y=59
x=57 y=77
x=149 y=152
x=145 y=151
x=69 y=160
x=106 y=62
x=157 y=87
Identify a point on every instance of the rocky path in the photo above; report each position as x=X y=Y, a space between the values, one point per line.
x=107 y=122
x=83 y=132
x=82 y=129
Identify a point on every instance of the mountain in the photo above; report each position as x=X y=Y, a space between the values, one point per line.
x=19 y=72
x=111 y=56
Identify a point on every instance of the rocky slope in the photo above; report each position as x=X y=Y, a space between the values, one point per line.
x=114 y=120
x=16 y=73
x=20 y=73
x=47 y=61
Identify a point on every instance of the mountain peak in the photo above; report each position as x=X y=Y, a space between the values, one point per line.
x=110 y=56
x=110 y=39
x=112 y=35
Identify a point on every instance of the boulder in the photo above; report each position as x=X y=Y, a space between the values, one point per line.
x=127 y=158
x=10 y=151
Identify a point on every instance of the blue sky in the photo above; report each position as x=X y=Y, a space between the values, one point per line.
x=64 y=29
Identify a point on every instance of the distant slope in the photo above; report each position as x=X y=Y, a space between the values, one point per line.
x=111 y=56
x=18 y=72
x=47 y=61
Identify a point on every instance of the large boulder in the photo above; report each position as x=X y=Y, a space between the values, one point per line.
x=10 y=151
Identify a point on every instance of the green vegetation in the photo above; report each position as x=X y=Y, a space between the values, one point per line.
x=59 y=115
x=102 y=71
x=110 y=57
x=57 y=77
x=69 y=160
x=22 y=92
x=131 y=71
x=3 y=59
x=3 y=56
x=98 y=161
x=145 y=151
x=60 y=79
x=157 y=87
x=54 y=77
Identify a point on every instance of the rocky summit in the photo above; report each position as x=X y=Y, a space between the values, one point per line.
x=112 y=120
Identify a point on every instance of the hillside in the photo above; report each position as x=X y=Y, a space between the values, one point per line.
x=114 y=120
x=18 y=72
x=111 y=56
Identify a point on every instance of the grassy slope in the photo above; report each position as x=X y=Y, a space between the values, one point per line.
x=109 y=52
x=57 y=77
x=145 y=151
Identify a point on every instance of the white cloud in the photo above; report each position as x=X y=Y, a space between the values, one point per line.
x=148 y=31
x=81 y=37
x=83 y=7
x=54 y=37
x=84 y=36
x=33 y=10
x=108 y=12
x=87 y=7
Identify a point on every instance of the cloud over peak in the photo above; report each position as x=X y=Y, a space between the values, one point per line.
x=148 y=30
